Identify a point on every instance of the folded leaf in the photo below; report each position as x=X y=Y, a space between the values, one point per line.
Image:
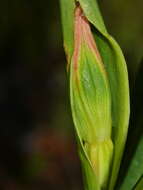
x=135 y=170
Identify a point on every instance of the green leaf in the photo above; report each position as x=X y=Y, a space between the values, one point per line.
x=135 y=170
x=135 y=132
x=118 y=79
x=139 y=185
x=67 y=17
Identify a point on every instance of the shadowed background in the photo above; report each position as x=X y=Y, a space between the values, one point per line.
x=37 y=145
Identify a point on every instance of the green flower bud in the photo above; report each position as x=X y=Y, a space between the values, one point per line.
x=91 y=100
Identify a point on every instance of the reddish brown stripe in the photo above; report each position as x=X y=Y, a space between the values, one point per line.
x=77 y=35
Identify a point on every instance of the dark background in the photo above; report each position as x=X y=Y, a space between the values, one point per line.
x=37 y=145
